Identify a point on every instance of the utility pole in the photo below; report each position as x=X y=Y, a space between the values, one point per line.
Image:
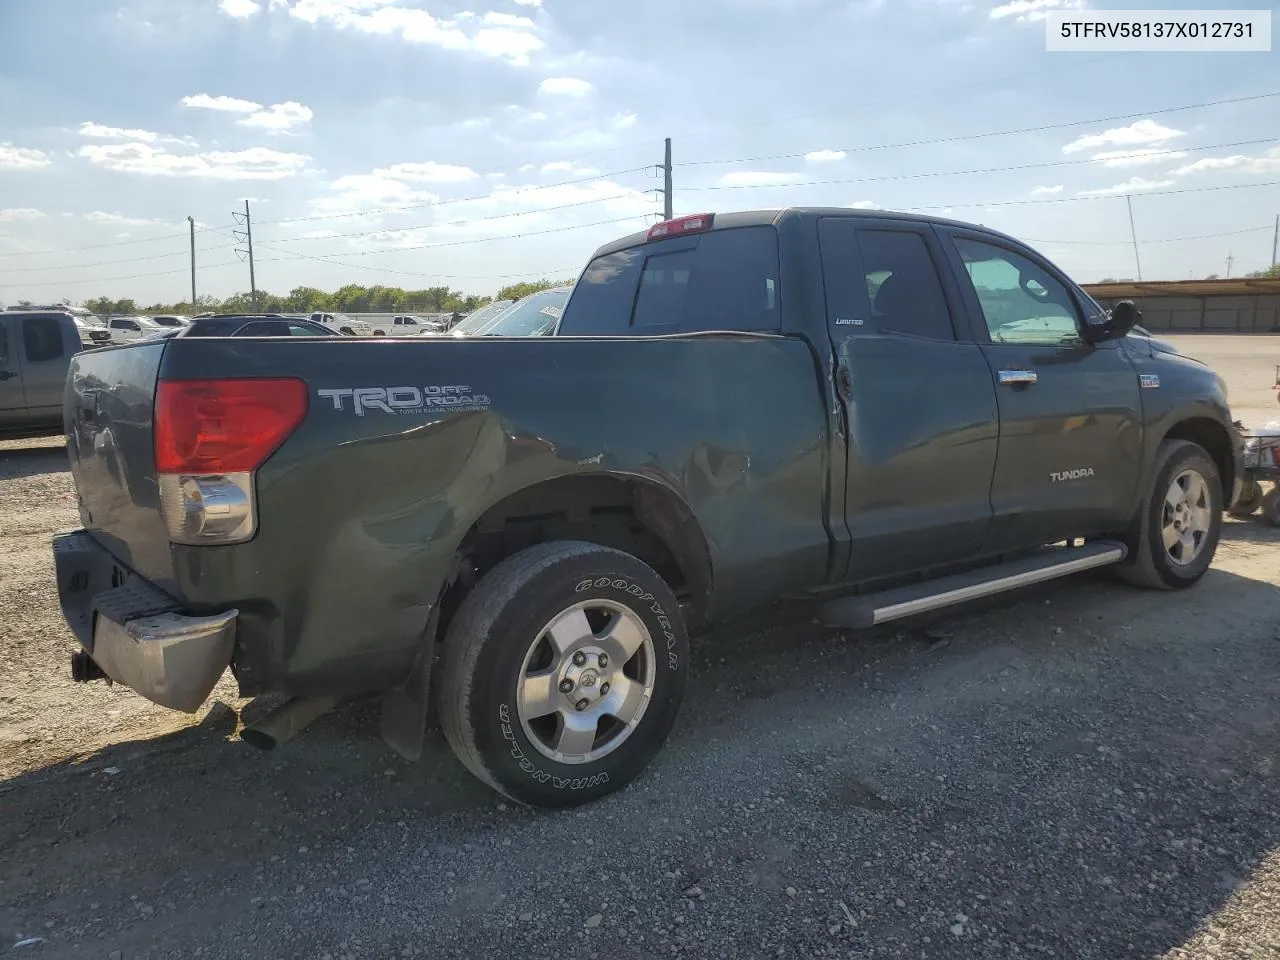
x=192 y=222
x=1230 y=260
x=1134 y=234
x=1275 y=242
x=247 y=236
x=666 y=182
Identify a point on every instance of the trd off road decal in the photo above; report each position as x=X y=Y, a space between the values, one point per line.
x=405 y=400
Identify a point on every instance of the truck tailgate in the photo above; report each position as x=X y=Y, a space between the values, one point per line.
x=108 y=415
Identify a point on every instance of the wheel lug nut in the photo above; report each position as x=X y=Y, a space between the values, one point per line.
x=579 y=658
x=604 y=660
x=604 y=689
x=582 y=705
x=566 y=686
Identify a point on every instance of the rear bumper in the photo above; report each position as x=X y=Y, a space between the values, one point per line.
x=137 y=634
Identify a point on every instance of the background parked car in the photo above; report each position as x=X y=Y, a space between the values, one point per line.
x=405 y=325
x=169 y=320
x=474 y=320
x=533 y=316
x=36 y=348
x=248 y=325
x=91 y=334
x=343 y=324
x=128 y=329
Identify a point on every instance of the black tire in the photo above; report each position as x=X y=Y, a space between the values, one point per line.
x=1149 y=564
x=498 y=625
x=1250 y=499
x=347 y=331
x=1271 y=506
x=379 y=333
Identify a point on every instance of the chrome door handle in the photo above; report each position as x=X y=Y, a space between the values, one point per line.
x=1017 y=377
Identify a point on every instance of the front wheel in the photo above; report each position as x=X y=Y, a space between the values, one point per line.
x=563 y=673
x=1176 y=534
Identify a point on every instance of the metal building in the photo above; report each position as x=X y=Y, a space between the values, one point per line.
x=1190 y=306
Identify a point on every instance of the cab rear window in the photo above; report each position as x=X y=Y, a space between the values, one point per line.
x=721 y=280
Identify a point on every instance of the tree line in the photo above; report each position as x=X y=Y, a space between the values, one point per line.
x=351 y=298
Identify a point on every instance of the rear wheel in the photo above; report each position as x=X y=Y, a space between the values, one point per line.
x=563 y=673
x=1176 y=534
x=1250 y=498
x=1271 y=505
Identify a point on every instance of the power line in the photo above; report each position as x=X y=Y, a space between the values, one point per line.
x=132 y=276
x=408 y=273
x=989 y=133
x=443 y=203
x=103 y=246
x=1110 y=196
x=1125 y=243
x=456 y=223
x=104 y=263
x=978 y=170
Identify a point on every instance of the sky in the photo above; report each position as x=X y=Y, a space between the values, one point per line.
x=477 y=143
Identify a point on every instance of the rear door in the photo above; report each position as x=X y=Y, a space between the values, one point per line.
x=13 y=402
x=47 y=346
x=918 y=400
x=1070 y=412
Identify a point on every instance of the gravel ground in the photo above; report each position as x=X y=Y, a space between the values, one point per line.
x=1079 y=771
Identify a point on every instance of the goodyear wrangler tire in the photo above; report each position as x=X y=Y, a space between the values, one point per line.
x=1176 y=533
x=563 y=673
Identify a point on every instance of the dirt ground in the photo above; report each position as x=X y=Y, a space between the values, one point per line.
x=1081 y=770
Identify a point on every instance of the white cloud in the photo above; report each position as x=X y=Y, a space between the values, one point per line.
x=1136 y=158
x=228 y=104
x=865 y=205
x=529 y=3
x=1136 y=134
x=255 y=163
x=624 y=120
x=501 y=38
x=825 y=156
x=566 y=86
x=508 y=20
x=120 y=220
x=1267 y=163
x=1029 y=11
x=364 y=192
x=99 y=131
x=1132 y=185
x=279 y=117
x=20 y=213
x=525 y=168
x=757 y=178
x=240 y=9
x=569 y=167
x=428 y=171
x=22 y=158
x=1042 y=191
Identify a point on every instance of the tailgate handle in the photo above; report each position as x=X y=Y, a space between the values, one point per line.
x=6 y=374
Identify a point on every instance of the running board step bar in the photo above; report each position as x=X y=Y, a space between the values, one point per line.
x=1048 y=563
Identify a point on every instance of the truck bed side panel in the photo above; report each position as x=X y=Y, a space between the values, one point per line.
x=360 y=515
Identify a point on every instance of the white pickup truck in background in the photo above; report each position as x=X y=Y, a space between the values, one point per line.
x=343 y=324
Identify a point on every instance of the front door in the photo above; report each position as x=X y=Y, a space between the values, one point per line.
x=918 y=400
x=45 y=360
x=1070 y=412
x=13 y=403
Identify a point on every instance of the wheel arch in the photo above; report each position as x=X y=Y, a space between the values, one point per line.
x=1216 y=440
x=639 y=515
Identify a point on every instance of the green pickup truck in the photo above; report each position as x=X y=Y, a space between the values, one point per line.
x=886 y=413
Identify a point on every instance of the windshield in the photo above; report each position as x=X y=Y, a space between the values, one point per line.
x=167 y=321
x=533 y=316
x=480 y=317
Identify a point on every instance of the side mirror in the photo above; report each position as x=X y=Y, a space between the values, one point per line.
x=1122 y=318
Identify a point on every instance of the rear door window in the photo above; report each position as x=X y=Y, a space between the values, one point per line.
x=722 y=280
x=42 y=339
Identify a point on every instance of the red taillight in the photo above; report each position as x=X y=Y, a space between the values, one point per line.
x=224 y=426
x=694 y=223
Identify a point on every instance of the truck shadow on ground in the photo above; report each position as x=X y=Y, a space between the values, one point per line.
x=981 y=735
